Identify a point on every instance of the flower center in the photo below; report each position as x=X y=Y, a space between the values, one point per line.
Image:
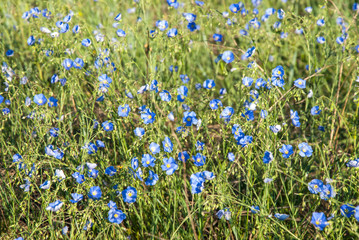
x=129 y=194
x=148 y=162
x=116 y=215
x=286 y=152
x=94 y=193
x=149 y=116
x=168 y=165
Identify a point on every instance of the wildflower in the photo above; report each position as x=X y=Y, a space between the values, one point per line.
x=320 y=22
x=52 y=102
x=224 y=212
x=171 y=117
x=215 y=103
x=112 y=205
x=27 y=184
x=248 y=53
x=54 y=132
x=199 y=159
x=231 y=156
x=167 y=145
x=154 y=148
x=327 y=192
x=295 y=118
x=281 y=217
x=255 y=209
x=139 y=132
x=185 y=79
x=165 y=96
x=278 y=71
x=95 y=193
x=55 y=206
x=31 y=40
x=148 y=116
x=227 y=113
x=40 y=99
x=118 y=17
x=228 y=57
x=234 y=8
x=189 y=118
x=347 y=210
x=199 y=146
x=183 y=156
x=76 y=197
x=217 y=37
x=353 y=163
x=78 y=177
x=247 y=81
x=169 y=165
x=67 y=64
x=190 y=17
x=110 y=171
x=162 y=25
x=209 y=84
x=65 y=230
x=148 y=160
x=315 y=186
x=88 y=225
x=107 y=126
x=152 y=178
x=124 y=110
x=315 y=110
x=321 y=40
x=129 y=195
x=172 y=33
x=116 y=216
x=197 y=182
x=300 y=83
x=305 y=149
x=182 y=93
x=286 y=150
x=267 y=180
x=86 y=42
x=319 y=220
x=268 y=157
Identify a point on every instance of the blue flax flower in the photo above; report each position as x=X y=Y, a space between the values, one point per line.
x=286 y=150
x=169 y=165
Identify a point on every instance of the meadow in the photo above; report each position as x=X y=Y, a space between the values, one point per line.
x=155 y=119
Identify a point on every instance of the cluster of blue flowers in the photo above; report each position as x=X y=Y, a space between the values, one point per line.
x=184 y=114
